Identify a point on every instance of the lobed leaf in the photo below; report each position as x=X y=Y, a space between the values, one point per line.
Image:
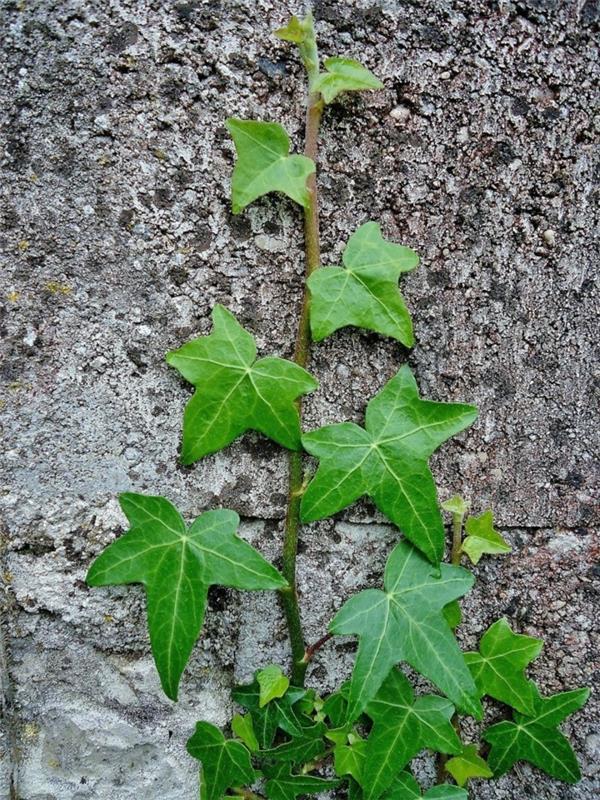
x=483 y=538
x=264 y=164
x=344 y=75
x=308 y=744
x=468 y=765
x=281 y=712
x=283 y=785
x=176 y=565
x=235 y=392
x=365 y=293
x=225 y=764
x=387 y=460
x=406 y=623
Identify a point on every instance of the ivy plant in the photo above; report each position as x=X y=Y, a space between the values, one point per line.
x=285 y=740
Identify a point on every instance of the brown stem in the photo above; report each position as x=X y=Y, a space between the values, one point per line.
x=310 y=651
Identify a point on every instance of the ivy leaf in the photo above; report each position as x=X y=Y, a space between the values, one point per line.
x=235 y=392
x=244 y=729
x=279 y=713
x=365 y=293
x=402 y=727
x=387 y=460
x=283 y=785
x=453 y=614
x=272 y=682
x=456 y=505
x=294 y=31
x=405 y=787
x=406 y=623
x=264 y=165
x=349 y=758
x=225 y=764
x=498 y=667
x=537 y=739
x=176 y=565
x=309 y=744
x=483 y=538
x=344 y=75
x=467 y=765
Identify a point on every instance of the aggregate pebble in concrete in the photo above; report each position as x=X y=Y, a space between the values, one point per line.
x=117 y=240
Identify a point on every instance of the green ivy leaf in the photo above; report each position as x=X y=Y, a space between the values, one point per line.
x=235 y=392
x=273 y=683
x=283 y=785
x=264 y=165
x=225 y=764
x=176 y=565
x=498 y=667
x=294 y=31
x=405 y=787
x=537 y=739
x=243 y=728
x=309 y=744
x=387 y=460
x=406 y=623
x=349 y=758
x=453 y=614
x=344 y=75
x=468 y=765
x=483 y=538
x=402 y=727
x=364 y=294
x=456 y=505
x=281 y=712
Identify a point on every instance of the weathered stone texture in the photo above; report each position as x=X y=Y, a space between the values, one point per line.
x=116 y=241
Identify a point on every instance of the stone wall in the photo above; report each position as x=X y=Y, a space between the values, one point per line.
x=117 y=240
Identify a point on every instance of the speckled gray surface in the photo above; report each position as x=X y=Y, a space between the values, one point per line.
x=116 y=240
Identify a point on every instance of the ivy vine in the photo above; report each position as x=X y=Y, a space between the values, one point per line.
x=360 y=740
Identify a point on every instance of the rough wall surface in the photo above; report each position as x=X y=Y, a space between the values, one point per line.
x=116 y=241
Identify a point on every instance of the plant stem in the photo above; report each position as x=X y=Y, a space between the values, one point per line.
x=310 y=651
x=289 y=596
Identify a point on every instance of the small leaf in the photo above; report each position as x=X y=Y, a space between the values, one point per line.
x=483 y=538
x=344 y=75
x=273 y=683
x=498 y=666
x=453 y=614
x=537 y=739
x=279 y=713
x=225 y=764
x=294 y=31
x=456 y=505
x=365 y=293
x=349 y=759
x=176 y=565
x=283 y=785
x=387 y=460
x=264 y=165
x=235 y=392
x=402 y=727
x=309 y=744
x=335 y=706
x=405 y=623
x=467 y=765
x=244 y=729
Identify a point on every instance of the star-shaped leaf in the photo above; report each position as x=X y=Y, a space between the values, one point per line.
x=387 y=460
x=225 y=764
x=349 y=758
x=406 y=623
x=468 y=765
x=483 y=538
x=284 y=785
x=402 y=727
x=176 y=565
x=498 y=667
x=364 y=294
x=537 y=739
x=405 y=787
x=309 y=744
x=344 y=75
x=272 y=682
x=280 y=712
x=264 y=165
x=235 y=392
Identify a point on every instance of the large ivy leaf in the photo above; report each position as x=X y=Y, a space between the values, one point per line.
x=482 y=537
x=537 y=739
x=387 y=460
x=176 y=565
x=498 y=667
x=235 y=392
x=365 y=293
x=405 y=787
x=225 y=764
x=344 y=75
x=280 y=712
x=468 y=765
x=402 y=727
x=283 y=785
x=264 y=165
x=406 y=623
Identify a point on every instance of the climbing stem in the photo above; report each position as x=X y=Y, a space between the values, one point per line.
x=289 y=596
